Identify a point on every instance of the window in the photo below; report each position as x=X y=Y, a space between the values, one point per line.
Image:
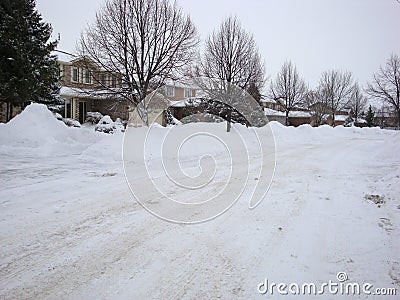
x=87 y=76
x=113 y=81
x=187 y=93
x=75 y=75
x=170 y=91
x=61 y=71
x=68 y=108
x=103 y=79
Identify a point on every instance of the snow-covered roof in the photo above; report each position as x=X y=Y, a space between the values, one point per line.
x=266 y=100
x=299 y=114
x=63 y=56
x=292 y=114
x=190 y=102
x=342 y=117
x=272 y=112
x=85 y=93
x=185 y=83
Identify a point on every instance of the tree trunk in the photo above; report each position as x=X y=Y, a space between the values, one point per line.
x=228 y=122
x=287 y=118
x=9 y=111
x=398 y=119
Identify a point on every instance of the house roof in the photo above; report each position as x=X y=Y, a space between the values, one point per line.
x=189 y=102
x=89 y=93
x=292 y=114
x=182 y=83
x=342 y=117
x=266 y=100
x=63 y=56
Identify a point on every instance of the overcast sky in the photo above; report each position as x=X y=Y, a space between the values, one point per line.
x=316 y=35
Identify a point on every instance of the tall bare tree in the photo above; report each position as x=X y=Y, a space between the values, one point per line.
x=336 y=86
x=231 y=56
x=358 y=102
x=289 y=88
x=386 y=85
x=143 y=42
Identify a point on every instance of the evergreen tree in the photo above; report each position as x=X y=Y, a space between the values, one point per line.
x=28 y=72
x=370 y=117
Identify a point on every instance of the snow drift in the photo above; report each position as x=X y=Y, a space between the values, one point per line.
x=37 y=128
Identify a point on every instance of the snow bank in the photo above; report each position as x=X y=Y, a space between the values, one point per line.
x=37 y=128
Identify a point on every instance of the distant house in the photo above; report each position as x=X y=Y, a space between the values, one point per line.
x=385 y=117
x=271 y=103
x=296 y=117
x=86 y=87
x=179 y=90
x=340 y=119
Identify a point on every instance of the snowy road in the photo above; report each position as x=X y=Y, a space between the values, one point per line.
x=70 y=228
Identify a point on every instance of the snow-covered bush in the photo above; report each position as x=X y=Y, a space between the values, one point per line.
x=107 y=125
x=58 y=116
x=170 y=119
x=67 y=121
x=93 y=117
x=71 y=122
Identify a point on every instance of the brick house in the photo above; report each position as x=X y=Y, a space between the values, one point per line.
x=86 y=87
x=171 y=94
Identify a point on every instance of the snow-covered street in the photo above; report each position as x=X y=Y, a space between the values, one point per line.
x=71 y=229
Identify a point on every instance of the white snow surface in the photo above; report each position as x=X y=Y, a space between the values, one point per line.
x=70 y=228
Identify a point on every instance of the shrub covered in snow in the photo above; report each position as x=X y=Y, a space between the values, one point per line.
x=93 y=117
x=58 y=116
x=170 y=119
x=67 y=121
x=107 y=125
x=71 y=122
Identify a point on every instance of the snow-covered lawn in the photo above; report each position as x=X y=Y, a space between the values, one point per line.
x=70 y=227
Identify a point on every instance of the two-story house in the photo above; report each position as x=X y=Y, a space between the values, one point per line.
x=86 y=87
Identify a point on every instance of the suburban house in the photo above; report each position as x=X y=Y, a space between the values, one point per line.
x=274 y=111
x=180 y=90
x=385 y=117
x=168 y=96
x=85 y=87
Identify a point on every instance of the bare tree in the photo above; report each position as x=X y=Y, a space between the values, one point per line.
x=231 y=55
x=318 y=106
x=386 y=85
x=289 y=88
x=143 y=42
x=358 y=102
x=336 y=86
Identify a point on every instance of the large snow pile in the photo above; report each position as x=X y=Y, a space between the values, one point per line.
x=38 y=129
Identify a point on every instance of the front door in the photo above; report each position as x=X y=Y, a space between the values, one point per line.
x=82 y=112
